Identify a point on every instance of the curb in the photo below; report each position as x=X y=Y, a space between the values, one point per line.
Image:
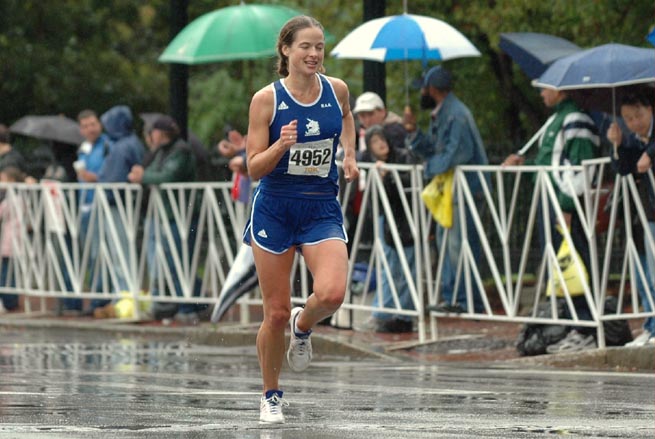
x=203 y=334
x=641 y=359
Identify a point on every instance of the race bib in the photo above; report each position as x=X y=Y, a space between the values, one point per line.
x=311 y=158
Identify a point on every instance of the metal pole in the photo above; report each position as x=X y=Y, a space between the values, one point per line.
x=374 y=72
x=178 y=74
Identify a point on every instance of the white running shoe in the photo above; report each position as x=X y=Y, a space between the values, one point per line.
x=270 y=409
x=639 y=340
x=573 y=342
x=299 y=354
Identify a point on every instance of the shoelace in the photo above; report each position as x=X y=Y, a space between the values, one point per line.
x=275 y=403
x=301 y=346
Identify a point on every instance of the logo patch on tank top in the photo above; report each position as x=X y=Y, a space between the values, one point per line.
x=283 y=106
x=313 y=129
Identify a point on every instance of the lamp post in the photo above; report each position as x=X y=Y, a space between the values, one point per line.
x=178 y=74
x=375 y=72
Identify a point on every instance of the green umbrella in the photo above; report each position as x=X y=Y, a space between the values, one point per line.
x=232 y=33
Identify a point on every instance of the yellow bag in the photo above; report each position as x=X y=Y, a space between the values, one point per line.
x=438 y=197
x=124 y=307
x=565 y=260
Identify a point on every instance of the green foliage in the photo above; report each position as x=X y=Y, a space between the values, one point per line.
x=70 y=55
x=63 y=56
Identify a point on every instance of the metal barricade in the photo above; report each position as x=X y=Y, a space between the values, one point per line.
x=182 y=241
x=507 y=275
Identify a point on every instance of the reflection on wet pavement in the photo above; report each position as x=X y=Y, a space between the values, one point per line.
x=67 y=384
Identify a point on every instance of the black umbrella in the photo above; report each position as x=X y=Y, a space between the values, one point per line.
x=55 y=128
x=534 y=52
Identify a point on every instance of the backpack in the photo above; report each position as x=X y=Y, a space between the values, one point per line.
x=617 y=332
x=534 y=338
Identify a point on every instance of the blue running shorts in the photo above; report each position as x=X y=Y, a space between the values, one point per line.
x=278 y=223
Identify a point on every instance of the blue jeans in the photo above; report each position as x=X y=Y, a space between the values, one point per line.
x=7 y=279
x=116 y=249
x=400 y=280
x=453 y=251
x=154 y=268
x=90 y=232
x=648 y=262
x=67 y=304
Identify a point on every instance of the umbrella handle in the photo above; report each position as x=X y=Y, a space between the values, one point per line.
x=534 y=138
x=616 y=146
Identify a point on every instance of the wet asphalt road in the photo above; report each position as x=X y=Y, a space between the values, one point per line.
x=63 y=384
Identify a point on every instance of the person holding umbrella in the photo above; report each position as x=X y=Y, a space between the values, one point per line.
x=637 y=159
x=569 y=137
x=295 y=126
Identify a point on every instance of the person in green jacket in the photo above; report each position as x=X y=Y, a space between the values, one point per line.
x=171 y=159
x=569 y=137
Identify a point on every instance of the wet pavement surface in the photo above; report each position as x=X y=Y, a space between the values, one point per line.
x=66 y=383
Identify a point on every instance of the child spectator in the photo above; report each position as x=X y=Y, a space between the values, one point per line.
x=383 y=153
x=10 y=236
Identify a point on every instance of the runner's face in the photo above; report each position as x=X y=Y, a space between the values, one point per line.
x=307 y=51
x=637 y=118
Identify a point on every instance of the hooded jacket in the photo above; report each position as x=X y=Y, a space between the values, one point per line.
x=126 y=149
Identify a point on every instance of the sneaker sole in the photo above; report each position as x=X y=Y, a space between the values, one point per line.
x=270 y=422
x=292 y=324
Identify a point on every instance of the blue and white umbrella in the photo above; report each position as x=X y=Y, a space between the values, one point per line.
x=404 y=37
x=651 y=37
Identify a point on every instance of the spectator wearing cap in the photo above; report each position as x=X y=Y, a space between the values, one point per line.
x=171 y=160
x=452 y=139
x=370 y=110
x=125 y=151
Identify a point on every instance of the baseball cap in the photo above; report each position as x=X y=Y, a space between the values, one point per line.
x=438 y=77
x=368 y=101
x=167 y=124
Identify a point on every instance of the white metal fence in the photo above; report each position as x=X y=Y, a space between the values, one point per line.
x=179 y=240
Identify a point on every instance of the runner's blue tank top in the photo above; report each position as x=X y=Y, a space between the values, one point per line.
x=308 y=169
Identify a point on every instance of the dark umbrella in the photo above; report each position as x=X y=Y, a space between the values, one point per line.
x=598 y=73
x=54 y=128
x=241 y=279
x=534 y=52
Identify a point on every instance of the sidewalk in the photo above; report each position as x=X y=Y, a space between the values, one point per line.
x=460 y=340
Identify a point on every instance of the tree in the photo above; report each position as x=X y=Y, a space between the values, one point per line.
x=61 y=57
x=68 y=55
